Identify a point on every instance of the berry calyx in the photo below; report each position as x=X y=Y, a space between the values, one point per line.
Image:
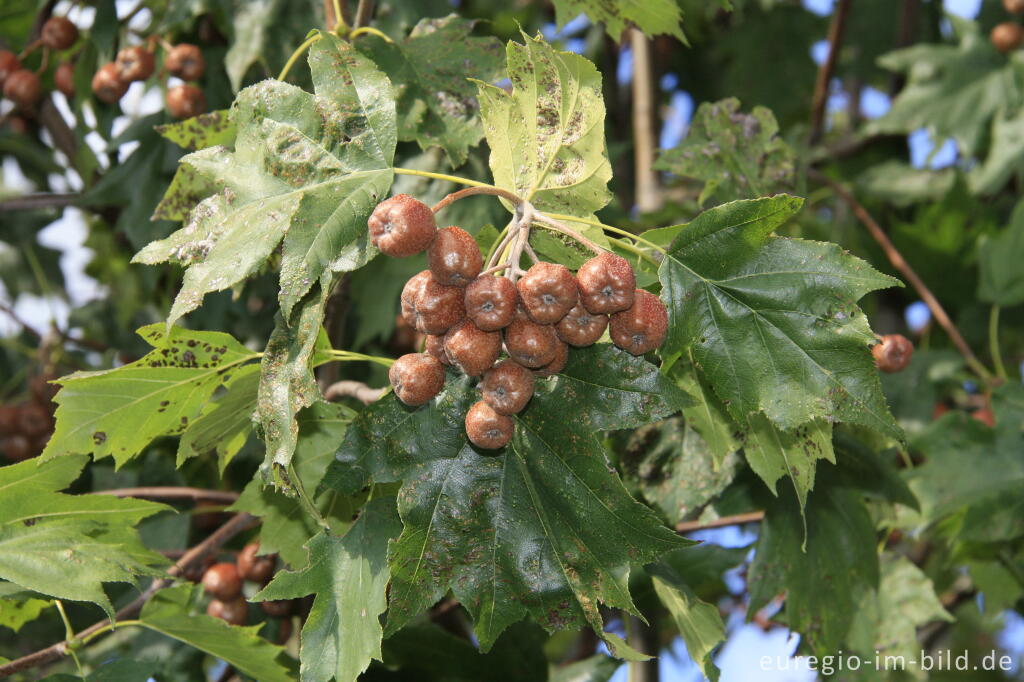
x=186 y=62
x=507 y=387
x=135 y=63
x=23 y=88
x=491 y=302
x=454 y=257
x=257 y=569
x=233 y=611
x=402 y=226
x=185 y=101
x=606 y=283
x=416 y=378
x=893 y=353
x=222 y=581
x=1007 y=36
x=580 y=327
x=642 y=327
x=557 y=364
x=486 y=428
x=431 y=307
x=59 y=33
x=107 y=84
x=434 y=345
x=64 y=79
x=530 y=344
x=548 y=292
x=470 y=349
x=9 y=63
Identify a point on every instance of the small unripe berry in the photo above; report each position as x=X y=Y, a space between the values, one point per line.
x=233 y=611
x=135 y=63
x=278 y=608
x=486 y=428
x=9 y=63
x=257 y=569
x=507 y=387
x=893 y=353
x=530 y=344
x=222 y=581
x=642 y=327
x=435 y=347
x=606 y=283
x=185 y=101
x=23 y=88
x=16 y=447
x=470 y=349
x=107 y=84
x=59 y=33
x=431 y=307
x=64 y=79
x=186 y=62
x=548 y=292
x=557 y=364
x=1014 y=6
x=1007 y=36
x=580 y=327
x=416 y=378
x=454 y=257
x=402 y=226
x=491 y=302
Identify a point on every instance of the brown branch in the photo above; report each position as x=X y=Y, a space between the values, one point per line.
x=364 y=12
x=56 y=651
x=820 y=98
x=353 y=389
x=174 y=493
x=473 y=191
x=735 y=520
x=33 y=201
x=900 y=263
x=647 y=194
x=9 y=311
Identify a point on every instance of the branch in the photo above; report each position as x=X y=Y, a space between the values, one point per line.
x=900 y=263
x=173 y=493
x=647 y=194
x=9 y=311
x=353 y=389
x=735 y=520
x=33 y=201
x=211 y=544
x=835 y=41
x=364 y=12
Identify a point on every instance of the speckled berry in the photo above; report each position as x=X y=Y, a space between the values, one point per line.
x=185 y=101
x=430 y=307
x=580 y=327
x=471 y=349
x=491 y=302
x=402 y=226
x=642 y=327
x=107 y=84
x=64 y=79
x=233 y=611
x=548 y=291
x=185 y=61
x=454 y=257
x=23 y=88
x=557 y=363
x=530 y=344
x=486 y=428
x=893 y=353
x=59 y=33
x=9 y=63
x=507 y=387
x=416 y=378
x=434 y=346
x=606 y=283
x=135 y=63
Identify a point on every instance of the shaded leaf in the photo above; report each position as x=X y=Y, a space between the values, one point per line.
x=225 y=424
x=1002 y=279
x=773 y=453
x=653 y=17
x=700 y=625
x=212 y=129
x=16 y=611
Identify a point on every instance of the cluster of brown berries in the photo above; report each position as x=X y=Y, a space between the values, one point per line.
x=22 y=86
x=223 y=582
x=470 y=317
x=1008 y=36
x=25 y=428
x=892 y=353
x=137 y=63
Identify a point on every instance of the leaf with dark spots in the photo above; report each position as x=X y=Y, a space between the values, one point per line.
x=653 y=17
x=211 y=129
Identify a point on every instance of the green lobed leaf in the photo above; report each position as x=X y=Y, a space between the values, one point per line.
x=773 y=453
x=177 y=613
x=901 y=184
x=16 y=611
x=653 y=17
x=1005 y=155
x=599 y=668
x=118 y=412
x=708 y=417
x=211 y=129
x=224 y=425
x=1001 y=280
x=429 y=70
x=736 y=155
x=349 y=576
x=745 y=303
x=700 y=624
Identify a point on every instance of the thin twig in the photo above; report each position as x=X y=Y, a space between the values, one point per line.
x=647 y=193
x=900 y=263
x=835 y=41
x=364 y=12
x=353 y=389
x=211 y=544
x=9 y=311
x=174 y=493
x=735 y=520
x=472 y=191
x=33 y=201
x=558 y=226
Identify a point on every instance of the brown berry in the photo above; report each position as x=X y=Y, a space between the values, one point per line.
x=185 y=101
x=642 y=327
x=893 y=353
x=548 y=292
x=507 y=387
x=1007 y=36
x=233 y=611
x=34 y=420
x=435 y=347
x=416 y=378
x=402 y=226
x=222 y=581
x=606 y=283
x=23 y=88
x=470 y=349
x=491 y=302
x=9 y=63
x=9 y=419
x=431 y=307
x=1014 y=6
x=985 y=416
x=257 y=569
x=64 y=79
x=278 y=608
x=558 y=363
x=486 y=428
x=59 y=33
x=194 y=571
x=580 y=327
x=16 y=447
x=186 y=62
x=530 y=344
x=454 y=257
x=135 y=63
x=107 y=84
